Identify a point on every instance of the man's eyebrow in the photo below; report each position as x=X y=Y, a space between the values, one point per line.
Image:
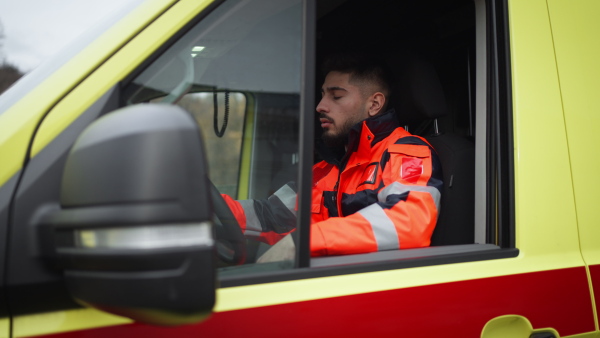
x=330 y=89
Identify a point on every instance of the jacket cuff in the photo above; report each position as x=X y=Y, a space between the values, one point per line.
x=237 y=210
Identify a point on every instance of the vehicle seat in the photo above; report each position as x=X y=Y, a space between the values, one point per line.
x=420 y=97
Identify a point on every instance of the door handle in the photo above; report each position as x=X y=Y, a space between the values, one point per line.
x=515 y=326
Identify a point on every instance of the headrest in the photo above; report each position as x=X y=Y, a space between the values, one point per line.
x=418 y=93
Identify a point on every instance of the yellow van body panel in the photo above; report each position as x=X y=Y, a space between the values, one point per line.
x=575 y=28
x=63 y=321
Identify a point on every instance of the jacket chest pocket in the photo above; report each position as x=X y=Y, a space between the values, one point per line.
x=318 y=211
x=360 y=177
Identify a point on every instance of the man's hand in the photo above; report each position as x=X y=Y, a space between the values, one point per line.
x=285 y=249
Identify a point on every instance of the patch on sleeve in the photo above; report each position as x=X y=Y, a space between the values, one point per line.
x=411 y=169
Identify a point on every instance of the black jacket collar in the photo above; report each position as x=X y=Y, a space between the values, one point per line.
x=381 y=125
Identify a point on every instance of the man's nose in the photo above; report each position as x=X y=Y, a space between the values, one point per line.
x=322 y=107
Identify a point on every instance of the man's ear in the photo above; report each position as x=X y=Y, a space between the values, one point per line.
x=376 y=103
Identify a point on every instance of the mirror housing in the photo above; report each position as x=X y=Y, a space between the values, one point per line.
x=134 y=234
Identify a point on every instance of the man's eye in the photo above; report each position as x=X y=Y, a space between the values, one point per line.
x=337 y=97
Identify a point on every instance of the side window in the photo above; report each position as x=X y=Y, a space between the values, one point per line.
x=237 y=72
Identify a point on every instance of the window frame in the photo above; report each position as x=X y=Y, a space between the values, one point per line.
x=500 y=187
x=307 y=99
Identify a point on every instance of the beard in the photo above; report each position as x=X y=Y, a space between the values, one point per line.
x=340 y=139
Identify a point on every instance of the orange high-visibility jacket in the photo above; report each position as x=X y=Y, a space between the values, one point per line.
x=384 y=194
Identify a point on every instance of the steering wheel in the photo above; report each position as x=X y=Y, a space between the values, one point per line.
x=231 y=243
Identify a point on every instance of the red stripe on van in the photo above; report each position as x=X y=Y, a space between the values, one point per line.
x=559 y=299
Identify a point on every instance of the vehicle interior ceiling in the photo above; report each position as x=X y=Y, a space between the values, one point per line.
x=436 y=35
x=439 y=32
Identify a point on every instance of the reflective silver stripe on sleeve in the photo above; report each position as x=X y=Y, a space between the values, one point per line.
x=288 y=197
x=252 y=222
x=384 y=230
x=398 y=188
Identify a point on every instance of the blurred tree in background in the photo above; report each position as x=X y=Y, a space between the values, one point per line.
x=9 y=74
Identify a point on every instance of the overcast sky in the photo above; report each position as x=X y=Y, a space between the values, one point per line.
x=36 y=29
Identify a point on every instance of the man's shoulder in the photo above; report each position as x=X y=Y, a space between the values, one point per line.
x=401 y=136
x=403 y=142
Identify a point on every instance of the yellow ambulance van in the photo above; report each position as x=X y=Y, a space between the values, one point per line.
x=114 y=155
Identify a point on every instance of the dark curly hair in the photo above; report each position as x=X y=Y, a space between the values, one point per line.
x=363 y=68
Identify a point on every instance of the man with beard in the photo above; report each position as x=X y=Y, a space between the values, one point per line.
x=378 y=187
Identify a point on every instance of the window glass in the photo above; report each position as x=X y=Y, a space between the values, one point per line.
x=237 y=72
x=226 y=111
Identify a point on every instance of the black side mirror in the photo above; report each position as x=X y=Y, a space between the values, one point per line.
x=134 y=235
